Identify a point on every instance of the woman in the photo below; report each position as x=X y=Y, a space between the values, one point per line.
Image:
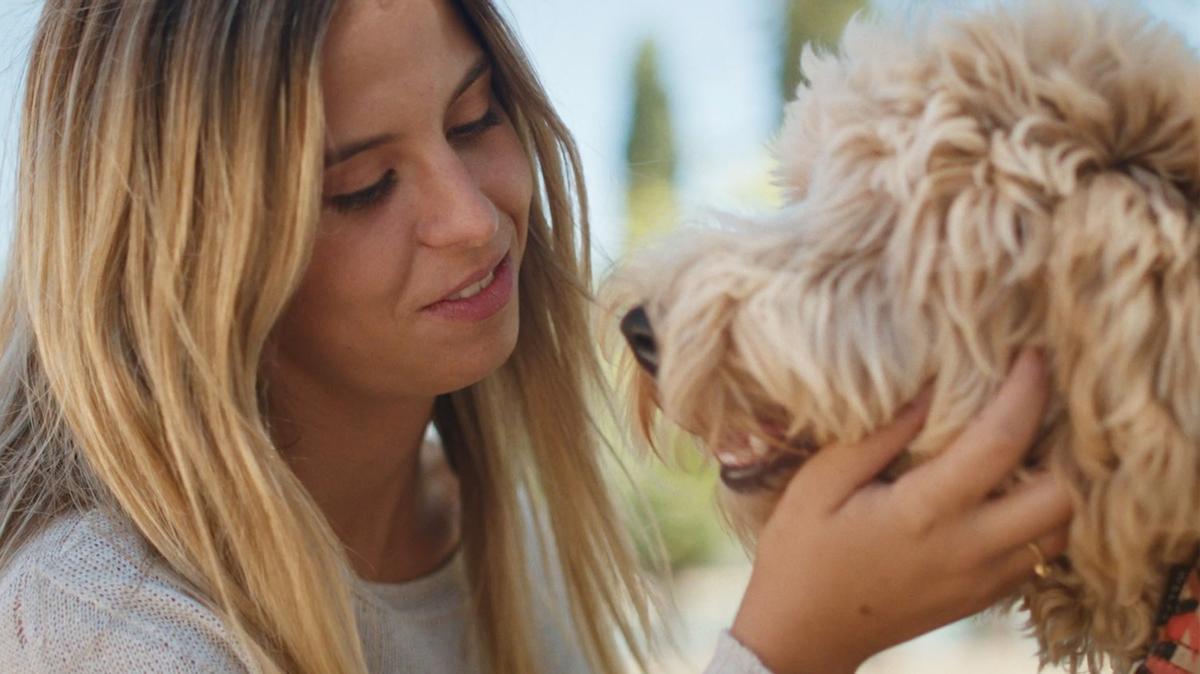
x=260 y=246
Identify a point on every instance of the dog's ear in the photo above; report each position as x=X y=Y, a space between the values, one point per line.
x=1124 y=324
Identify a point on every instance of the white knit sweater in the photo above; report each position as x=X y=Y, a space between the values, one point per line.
x=86 y=594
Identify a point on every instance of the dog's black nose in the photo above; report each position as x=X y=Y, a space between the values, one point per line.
x=636 y=328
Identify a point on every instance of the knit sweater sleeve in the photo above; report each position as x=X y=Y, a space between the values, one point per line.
x=51 y=627
x=81 y=603
x=734 y=658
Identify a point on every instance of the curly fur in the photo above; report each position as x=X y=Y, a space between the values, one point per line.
x=959 y=188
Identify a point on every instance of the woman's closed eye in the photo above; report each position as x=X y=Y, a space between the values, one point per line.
x=365 y=198
x=361 y=199
x=490 y=119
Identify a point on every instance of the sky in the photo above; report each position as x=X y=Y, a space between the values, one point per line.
x=719 y=64
x=17 y=19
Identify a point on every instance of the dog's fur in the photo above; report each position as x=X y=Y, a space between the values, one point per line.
x=960 y=187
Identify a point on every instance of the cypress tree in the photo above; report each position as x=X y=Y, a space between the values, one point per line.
x=817 y=21
x=650 y=156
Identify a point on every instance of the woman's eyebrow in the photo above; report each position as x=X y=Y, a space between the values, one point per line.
x=481 y=67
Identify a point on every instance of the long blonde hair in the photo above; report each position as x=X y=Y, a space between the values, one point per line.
x=168 y=193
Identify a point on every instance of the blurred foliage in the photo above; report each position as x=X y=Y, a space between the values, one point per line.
x=817 y=21
x=650 y=150
x=653 y=210
x=650 y=155
x=671 y=501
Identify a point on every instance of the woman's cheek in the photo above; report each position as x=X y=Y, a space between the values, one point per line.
x=521 y=188
x=506 y=173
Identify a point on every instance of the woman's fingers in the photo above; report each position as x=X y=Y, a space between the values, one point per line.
x=1030 y=510
x=837 y=471
x=1018 y=564
x=994 y=442
x=857 y=567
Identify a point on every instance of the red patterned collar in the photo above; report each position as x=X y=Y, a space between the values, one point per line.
x=1176 y=648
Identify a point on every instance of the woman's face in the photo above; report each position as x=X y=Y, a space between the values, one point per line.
x=412 y=288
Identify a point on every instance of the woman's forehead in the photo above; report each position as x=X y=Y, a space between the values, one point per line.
x=380 y=54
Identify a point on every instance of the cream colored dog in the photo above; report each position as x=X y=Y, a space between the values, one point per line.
x=958 y=188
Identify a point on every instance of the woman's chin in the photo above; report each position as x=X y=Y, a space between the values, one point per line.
x=472 y=363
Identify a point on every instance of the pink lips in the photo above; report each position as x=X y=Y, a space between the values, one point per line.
x=482 y=306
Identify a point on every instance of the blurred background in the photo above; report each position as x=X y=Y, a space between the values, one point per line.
x=673 y=103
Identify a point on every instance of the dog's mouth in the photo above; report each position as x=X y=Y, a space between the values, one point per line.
x=752 y=462
x=762 y=460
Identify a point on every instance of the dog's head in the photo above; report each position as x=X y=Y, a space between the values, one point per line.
x=925 y=171
x=957 y=189
x=733 y=345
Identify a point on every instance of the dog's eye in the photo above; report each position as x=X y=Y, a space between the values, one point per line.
x=636 y=328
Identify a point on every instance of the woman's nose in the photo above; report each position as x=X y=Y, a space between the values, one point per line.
x=455 y=211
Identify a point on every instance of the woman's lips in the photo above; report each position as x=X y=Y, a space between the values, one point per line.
x=483 y=305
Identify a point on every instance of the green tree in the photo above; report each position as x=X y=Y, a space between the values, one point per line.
x=817 y=21
x=650 y=152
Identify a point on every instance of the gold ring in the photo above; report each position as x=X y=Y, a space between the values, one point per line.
x=1040 y=567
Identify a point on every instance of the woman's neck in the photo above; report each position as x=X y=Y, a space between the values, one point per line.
x=388 y=494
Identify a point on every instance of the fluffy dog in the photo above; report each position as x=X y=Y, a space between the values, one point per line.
x=959 y=187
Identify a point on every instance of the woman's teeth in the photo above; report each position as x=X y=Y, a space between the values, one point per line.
x=473 y=290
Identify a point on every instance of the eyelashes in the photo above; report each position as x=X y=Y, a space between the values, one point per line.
x=363 y=199
x=478 y=127
x=357 y=201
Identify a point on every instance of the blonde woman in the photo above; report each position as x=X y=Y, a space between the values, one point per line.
x=261 y=245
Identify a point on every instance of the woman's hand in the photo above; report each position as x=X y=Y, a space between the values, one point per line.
x=847 y=566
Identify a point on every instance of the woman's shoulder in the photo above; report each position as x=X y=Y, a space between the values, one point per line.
x=86 y=593
x=88 y=551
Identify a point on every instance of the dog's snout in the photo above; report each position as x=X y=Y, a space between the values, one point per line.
x=636 y=328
